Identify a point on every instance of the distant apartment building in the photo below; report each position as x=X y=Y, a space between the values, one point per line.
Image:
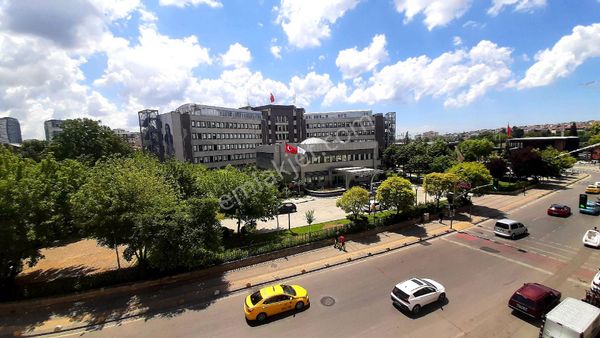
x=131 y=137
x=429 y=135
x=53 y=128
x=282 y=124
x=10 y=131
x=212 y=136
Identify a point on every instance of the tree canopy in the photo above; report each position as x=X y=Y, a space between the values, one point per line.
x=474 y=173
x=396 y=192
x=88 y=141
x=439 y=184
x=353 y=200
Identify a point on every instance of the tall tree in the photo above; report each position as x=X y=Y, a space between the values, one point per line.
x=439 y=184
x=573 y=129
x=476 y=150
x=126 y=201
x=497 y=167
x=33 y=149
x=526 y=162
x=474 y=173
x=396 y=192
x=88 y=141
x=556 y=161
x=353 y=201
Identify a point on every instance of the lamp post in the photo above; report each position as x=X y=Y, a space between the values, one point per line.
x=416 y=195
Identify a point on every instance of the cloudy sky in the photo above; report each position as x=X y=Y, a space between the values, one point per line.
x=444 y=65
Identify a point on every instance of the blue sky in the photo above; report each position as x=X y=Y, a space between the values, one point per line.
x=443 y=65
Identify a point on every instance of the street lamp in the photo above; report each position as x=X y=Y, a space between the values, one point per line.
x=416 y=195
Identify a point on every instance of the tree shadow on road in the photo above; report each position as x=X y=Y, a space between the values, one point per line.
x=47 y=275
x=484 y=211
x=95 y=312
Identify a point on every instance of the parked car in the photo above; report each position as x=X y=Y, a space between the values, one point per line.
x=287 y=208
x=534 y=300
x=595 y=284
x=593 y=189
x=591 y=208
x=572 y=318
x=592 y=238
x=412 y=294
x=510 y=228
x=275 y=299
x=559 y=210
x=375 y=206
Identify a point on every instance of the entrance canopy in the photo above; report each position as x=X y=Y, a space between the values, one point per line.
x=350 y=172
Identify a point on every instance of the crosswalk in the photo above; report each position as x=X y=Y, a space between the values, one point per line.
x=550 y=249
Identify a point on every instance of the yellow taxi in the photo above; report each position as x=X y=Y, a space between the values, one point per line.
x=275 y=299
x=592 y=189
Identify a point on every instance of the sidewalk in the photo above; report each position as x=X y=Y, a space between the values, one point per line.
x=174 y=299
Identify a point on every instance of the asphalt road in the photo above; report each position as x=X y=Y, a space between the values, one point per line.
x=479 y=275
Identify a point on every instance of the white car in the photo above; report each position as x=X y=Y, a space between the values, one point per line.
x=595 y=285
x=414 y=293
x=592 y=238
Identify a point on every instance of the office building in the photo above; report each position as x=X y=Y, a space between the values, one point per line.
x=132 y=138
x=325 y=164
x=212 y=136
x=53 y=128
x=10 y=131
x=282 y=124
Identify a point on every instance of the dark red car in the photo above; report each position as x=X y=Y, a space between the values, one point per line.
x=559 y=210
x=534 y=300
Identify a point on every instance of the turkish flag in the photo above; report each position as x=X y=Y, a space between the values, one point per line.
x=272 y=98
x=294 y=150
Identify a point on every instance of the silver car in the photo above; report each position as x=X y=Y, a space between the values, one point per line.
x=509 y=228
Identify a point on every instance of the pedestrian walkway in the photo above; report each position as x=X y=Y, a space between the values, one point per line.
x=28 y=320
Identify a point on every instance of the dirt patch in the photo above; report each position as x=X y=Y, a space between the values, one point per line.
x=71 y=260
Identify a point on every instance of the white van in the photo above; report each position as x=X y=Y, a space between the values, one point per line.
x=509 y=228
x=572 y=318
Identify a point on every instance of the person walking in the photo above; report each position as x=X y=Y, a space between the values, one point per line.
x=342 y=242
x=335 y=240
x=441 y=217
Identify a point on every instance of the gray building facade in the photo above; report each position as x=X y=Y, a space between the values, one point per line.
x=53 y=128
x=321 y=166
x=282 y=124
x=212 y=136
x=10 y=130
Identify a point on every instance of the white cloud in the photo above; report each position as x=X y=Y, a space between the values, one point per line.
x=457 y=41
x=237 y=56
x=322 y=57
x=276 y=51
x=156 y=70
x=474 y=24
x=308 y=22
x=459 y=77
x=310 y=87
x=183 y=3
x=437 y=12
x=352 y=62
x=520 y=5
x=564 y=57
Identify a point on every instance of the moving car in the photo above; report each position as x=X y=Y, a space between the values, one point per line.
x=509 y=228
x=412 y=294
x=559 y=210
x=591 y=208
x=572 y=318
x=592 y=238
x=287 y=208
x=534 y=300
x=592 y=189
x=275 y=299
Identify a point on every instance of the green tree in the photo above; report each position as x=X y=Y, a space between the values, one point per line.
x=474 y=173
x=526 y=162
x=396 y=192
x=476 y=150
x=556 y=161
x=573 y=129
x=439 y=184
x=23 y=230
x=353 y=201
x=33 y=149
x=127 y=201
x=88 y=141
x=391 y=156
x=594 y=139
x=442 y=163
x=594 y=128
